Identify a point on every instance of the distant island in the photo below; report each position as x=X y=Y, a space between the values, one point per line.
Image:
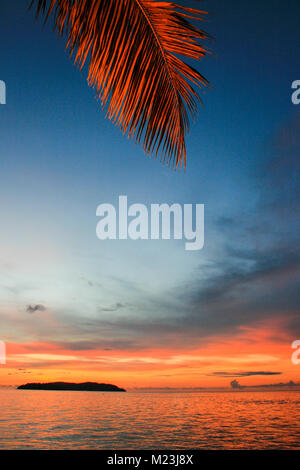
x=81 y=387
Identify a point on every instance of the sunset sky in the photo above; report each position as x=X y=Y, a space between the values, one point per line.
x=150 y=313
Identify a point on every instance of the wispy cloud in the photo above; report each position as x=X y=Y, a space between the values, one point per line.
x=243 y=374
x=112 y=308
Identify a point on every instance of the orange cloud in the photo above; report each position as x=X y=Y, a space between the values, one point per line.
x=263 y=348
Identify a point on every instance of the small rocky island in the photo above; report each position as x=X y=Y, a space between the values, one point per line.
x=81 y=387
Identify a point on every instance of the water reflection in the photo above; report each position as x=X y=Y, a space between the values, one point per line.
x=92 y=420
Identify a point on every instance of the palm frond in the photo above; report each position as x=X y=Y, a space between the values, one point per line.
x=132 y=48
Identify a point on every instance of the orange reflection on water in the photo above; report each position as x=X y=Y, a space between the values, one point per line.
x=203 y=420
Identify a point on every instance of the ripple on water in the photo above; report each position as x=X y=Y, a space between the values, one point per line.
x=83 y=420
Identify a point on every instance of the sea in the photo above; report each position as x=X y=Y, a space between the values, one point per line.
x=34 y=419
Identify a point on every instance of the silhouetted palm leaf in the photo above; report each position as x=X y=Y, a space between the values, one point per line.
x=132 y=48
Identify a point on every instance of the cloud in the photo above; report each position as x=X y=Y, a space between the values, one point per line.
x=89 y=282
x=101 y=343
x=256 y=275
x=243 y=374
x=279 y=175
x=113 y=308
x=35 y=308
x=235 y=272
x=253 y=278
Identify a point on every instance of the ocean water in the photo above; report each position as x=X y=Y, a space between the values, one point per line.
x=202 y=420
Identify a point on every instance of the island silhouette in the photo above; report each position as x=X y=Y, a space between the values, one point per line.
x=79 y=387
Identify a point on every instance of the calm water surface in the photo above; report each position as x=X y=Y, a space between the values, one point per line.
x=32 y=419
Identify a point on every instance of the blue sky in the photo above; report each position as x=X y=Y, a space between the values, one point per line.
x=60 y=158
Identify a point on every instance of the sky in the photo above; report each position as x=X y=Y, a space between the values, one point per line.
x=149 y=313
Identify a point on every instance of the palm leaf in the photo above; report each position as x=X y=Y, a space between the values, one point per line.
x=132 y=49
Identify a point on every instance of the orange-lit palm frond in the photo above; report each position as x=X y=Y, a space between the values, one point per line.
x=132 y=49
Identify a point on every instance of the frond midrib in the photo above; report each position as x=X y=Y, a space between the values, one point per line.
x=162 y=51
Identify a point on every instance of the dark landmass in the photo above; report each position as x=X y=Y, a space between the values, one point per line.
x=81 y=387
